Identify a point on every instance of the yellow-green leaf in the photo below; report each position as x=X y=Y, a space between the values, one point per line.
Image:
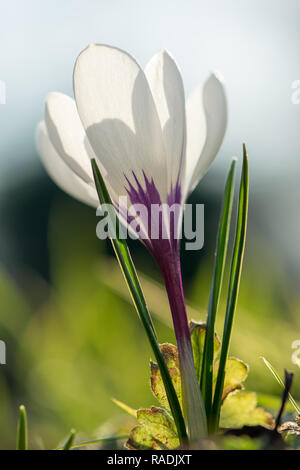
x=170 y=355
x=236 y=372
x=156 y=430
x=198 y=332
x=240 y=409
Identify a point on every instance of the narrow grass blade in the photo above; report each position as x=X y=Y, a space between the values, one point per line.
x=22 y=443
x=97 y=441
x=125 y=407
x=234 y=283
x=289 y=376
x=218 y=274
x=70 y=440
x=129 y=272
x=280 y=381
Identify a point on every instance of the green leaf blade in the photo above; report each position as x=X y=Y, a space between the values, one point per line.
x=101 y=440
x=234 y=282
x=131 y=278
x=218 y=274
x=22 y=435
x=70 y=440
x=280 y=381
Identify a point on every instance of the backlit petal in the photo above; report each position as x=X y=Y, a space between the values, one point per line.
x=61 y=174
x=67 y=134
x=118 y=113
x=204 y=137
x=167 y=89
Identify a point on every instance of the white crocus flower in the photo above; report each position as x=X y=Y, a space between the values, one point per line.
x=151 y=147
x=136 y=124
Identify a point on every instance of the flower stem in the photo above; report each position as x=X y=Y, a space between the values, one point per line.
x=193 y=406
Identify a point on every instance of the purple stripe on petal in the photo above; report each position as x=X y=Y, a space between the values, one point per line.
x=160 y=221
x=175 y=195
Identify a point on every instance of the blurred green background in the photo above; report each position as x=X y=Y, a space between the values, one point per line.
x=72 y=336
x=74 y=340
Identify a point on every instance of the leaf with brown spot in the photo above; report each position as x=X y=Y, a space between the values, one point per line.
x=198 y=332
x=170 y=356
x=156 y=430
x=240 y=409
x=236 y=372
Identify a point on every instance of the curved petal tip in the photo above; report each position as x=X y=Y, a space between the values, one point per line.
x=215 y=79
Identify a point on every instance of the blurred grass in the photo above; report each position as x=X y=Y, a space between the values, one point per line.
x=77 y=342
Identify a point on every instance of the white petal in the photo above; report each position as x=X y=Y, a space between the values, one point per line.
x=118 y=113
x=67 y=134
x=206 y=126
x=61 y=174
x=167 y=89
x=196 y=130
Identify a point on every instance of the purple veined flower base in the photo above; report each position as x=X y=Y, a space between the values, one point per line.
x=167 y=255
x=165 y=251
x=149 y=197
